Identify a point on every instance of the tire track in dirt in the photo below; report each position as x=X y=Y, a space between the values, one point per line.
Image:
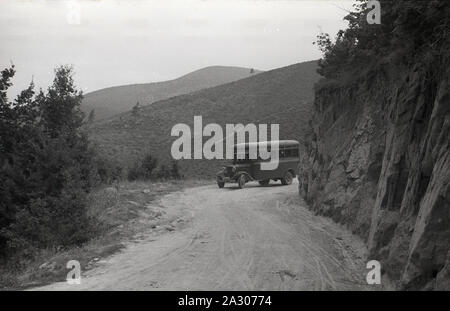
x=235 y=240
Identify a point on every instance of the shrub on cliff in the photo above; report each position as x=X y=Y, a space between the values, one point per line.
x=408 y=29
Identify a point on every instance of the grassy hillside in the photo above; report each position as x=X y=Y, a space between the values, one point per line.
x=110 y=101
x=281 y=96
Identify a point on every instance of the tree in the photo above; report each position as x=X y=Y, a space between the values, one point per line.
x=409 y=32
x=149 y=163
x=7 y=145
x=91 y=116
x=46 y=165
x=360 y=43
x=143 y=169
x=60 y=106
x=135 y=109
x=175 y=171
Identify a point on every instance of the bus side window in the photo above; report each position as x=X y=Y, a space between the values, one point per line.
x=291 y=153
x=287 y=153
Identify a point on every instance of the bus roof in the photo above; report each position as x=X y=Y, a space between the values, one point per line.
x=269 y=143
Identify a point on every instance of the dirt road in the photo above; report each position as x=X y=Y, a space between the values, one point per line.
x=257 y=238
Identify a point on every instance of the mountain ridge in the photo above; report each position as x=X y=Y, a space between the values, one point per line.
x=112 y=100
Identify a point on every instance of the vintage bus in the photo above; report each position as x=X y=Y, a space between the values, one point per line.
x=241 y=171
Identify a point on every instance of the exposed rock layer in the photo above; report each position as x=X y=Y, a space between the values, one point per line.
x=379 y=162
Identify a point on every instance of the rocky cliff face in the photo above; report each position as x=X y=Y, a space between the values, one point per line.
x=379 y=162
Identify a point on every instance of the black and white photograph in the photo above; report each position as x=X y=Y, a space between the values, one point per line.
x=225 y=151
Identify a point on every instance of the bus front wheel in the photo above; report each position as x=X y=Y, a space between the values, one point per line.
x=241 y=181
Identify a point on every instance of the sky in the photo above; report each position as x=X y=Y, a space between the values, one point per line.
x=112 y=42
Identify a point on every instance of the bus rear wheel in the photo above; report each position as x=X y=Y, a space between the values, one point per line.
x=287 y=179
x=221 y=184
x=264 y=182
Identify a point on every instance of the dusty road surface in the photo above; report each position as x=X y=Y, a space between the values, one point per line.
x=257 y=238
